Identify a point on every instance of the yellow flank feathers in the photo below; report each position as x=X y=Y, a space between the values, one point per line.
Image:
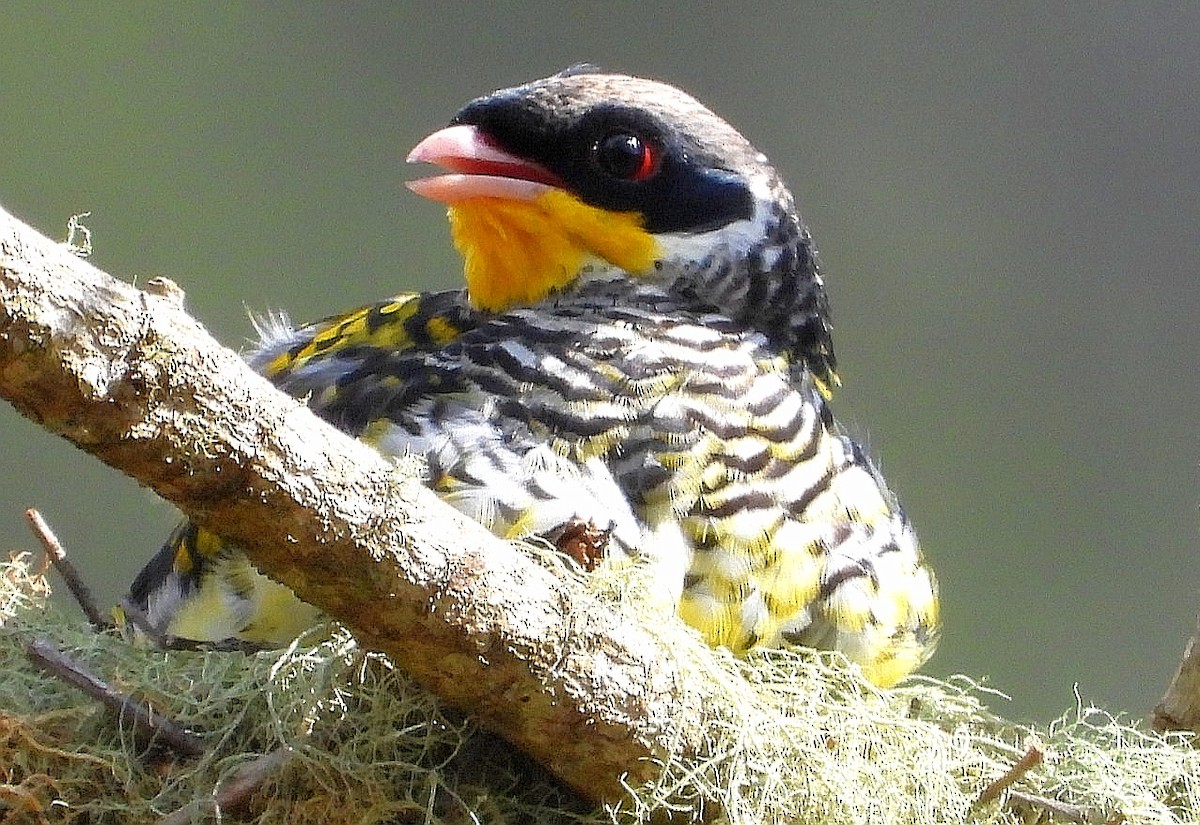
x=518 y=252
x=209 y=614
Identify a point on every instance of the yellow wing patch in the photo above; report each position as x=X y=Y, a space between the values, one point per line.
x=405 y=321
x=441 y=331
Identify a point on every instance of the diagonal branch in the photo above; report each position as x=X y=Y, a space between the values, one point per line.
x=129 y=377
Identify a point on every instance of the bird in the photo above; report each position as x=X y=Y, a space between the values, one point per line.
x=639 y=369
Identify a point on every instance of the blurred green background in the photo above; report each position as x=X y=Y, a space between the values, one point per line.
x=1005 y=199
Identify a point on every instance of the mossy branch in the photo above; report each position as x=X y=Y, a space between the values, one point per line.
x=129 y=377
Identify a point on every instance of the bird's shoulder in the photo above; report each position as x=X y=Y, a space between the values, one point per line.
x=411 y=322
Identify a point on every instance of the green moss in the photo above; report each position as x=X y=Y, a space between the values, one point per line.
x=799 y=737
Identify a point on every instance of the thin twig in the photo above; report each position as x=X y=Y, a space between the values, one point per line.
x=1032 y=758
x=58 y=557
x=236 y=792
x=1075 y=813
x=54 y=661
x=1180 y=705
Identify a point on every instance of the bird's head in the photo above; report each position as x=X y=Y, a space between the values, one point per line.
x=588 y=175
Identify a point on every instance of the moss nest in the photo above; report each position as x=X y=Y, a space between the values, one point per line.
x=349 y=739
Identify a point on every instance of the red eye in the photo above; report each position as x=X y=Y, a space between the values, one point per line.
x=626 y=156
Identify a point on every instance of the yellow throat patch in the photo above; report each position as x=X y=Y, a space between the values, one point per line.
x=518 y=252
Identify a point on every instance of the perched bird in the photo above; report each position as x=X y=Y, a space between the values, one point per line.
x=639 y=367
